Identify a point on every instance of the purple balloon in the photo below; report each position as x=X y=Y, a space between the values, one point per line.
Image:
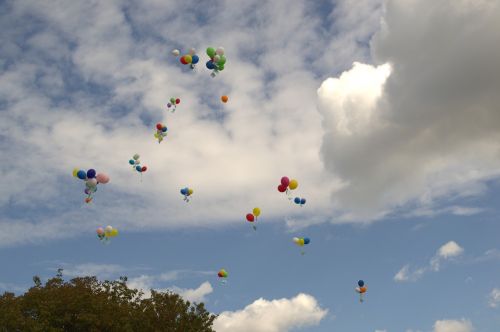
x=169 y=105
x=87 y=191
x=91 y=173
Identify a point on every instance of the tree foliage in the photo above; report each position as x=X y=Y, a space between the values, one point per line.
x=87 y=304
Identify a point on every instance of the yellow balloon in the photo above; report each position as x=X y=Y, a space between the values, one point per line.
x=156 y=135
x=190 y=191
x=188 y=58
x=301 y=242
x=75 y=172
x=256 y=212
x=114 y=232
x=293 y=184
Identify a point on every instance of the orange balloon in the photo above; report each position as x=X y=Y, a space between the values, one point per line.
x=362 y=290
x=224 y=99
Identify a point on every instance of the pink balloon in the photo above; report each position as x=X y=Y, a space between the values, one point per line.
x=281 y=188
x=285 y=181
x=100 y=231
x=102 y=178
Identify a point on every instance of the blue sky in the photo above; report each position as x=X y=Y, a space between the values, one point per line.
x=387 y=120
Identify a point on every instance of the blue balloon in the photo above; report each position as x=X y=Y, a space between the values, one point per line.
x=210 y=64
x=361 y=283
x=297 y=200
x=81 y=175
x=183 y=191
x=138 y=168
x=164 y=129
x=303 y=201
x=131 y=162
x=91 y=173
x=307 y=240
x=195 y=59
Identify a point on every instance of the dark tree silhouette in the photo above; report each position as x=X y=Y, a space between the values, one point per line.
x=87 y=304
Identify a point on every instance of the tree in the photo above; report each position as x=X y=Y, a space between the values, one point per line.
x=87 y=304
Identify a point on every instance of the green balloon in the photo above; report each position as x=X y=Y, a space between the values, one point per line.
x=222 y=60
x=220 y=67
x=211 y=52
x=172 y=100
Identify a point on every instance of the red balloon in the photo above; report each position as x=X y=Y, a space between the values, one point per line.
x=250 y=217
x=281 y=188
x=177 y=101
x=220 y=274
x=285 y=181
x=183 y=60
x=144 y=169
x=159 y=126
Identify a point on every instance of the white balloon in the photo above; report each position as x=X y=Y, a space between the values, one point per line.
x=176 y=52
x=216 y=58
x=219 y=50
x=108 y=228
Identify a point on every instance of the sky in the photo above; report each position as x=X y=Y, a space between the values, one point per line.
x=384 y=111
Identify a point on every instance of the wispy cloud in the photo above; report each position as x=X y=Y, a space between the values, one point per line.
x=494 y=298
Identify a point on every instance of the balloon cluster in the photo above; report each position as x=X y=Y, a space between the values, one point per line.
x=217 y=60
x=186 y=192
x=361 y=289
x=190 y=59
x=173 y=104
x=299 y=201
x=301 y=241
x=286 y=184
x=222 y=274
x=105 y=234
x=136 y=164
x=92 y=179
x=251 y=217
x=161 y=131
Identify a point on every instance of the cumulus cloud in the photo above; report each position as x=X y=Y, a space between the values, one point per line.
x=446 y=252
x=195 y=295
x=272 y=316
x=429 y=130
x=494 y=298
x=462 y=325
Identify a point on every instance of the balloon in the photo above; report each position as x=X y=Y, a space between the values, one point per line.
x=281 y=188
x=114 y=232
x=210 y=52
x=177 y=101
x=131 y=162
x=220 y=67
x=301 y=242
x=75 y=172
x=222 y=60
x=361 y=283
x=88 y=200
x=176 y=52
x=210 y=64
x=91 y=183
x=144 y=169
x=250 y=217
x=220 y=50
x=183 y=191
x=362 y=290
x=102 y=178
x=195 y=59
x=164 y=129
x=159 y=126
x=91 y=173
x=82 y=175
x=293 y=184
x=216 y=58
x=190 y=191
x=296 y=240
x=192 y=51
x=138 y=168
x=136 y=156
x=183 y=60
x=307 y=240
x=108 y=228
x=302 y=201
x=297 y=200
x=188 y=58
x=100 y=231
x=285 y=181
x=256 y=211
x=224 y=99
x=172 y=100
x=86 y=191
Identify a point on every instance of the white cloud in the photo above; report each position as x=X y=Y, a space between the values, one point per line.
x=429 y=133
x=195 y=295
x=92 y=269
x=272 y=316
x=453 y=326
x=446 y=252
x=494 y=298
